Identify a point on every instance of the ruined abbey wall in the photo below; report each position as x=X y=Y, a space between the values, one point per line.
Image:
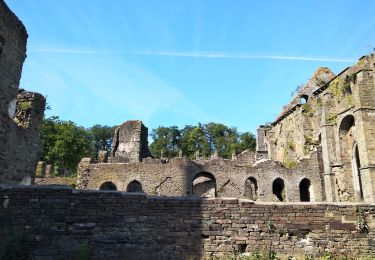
x=230 y=177
x=336 y=116
x=21 y=112
x=58 y=223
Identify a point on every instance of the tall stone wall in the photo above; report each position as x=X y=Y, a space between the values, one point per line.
x=334 y=115
x=61 y=223
x=21 y=112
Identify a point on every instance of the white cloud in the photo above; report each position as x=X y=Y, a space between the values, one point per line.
x=195 y=54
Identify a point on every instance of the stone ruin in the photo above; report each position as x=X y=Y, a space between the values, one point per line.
x=130 y=143
x=21 y=112
x=321 y=148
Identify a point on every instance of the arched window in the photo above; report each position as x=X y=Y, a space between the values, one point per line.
x=303 y=99
x=278 y=189
x=134 y=186
x=204 y=184
x=304 y=190
x=251 y=188
x=108 y=186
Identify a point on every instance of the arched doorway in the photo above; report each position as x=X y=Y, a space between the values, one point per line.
x=304 y=190
x=251 y=188
x=278 y=189
x=204 y=185
x=356 y=164
x=134 y=186
x=348 y=178
x=108 y=185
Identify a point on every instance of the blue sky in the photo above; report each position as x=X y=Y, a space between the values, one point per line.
x=179 y=62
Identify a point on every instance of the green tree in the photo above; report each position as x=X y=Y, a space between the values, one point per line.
x=194 y=139
x=64 y=143
x=247 y=142
x=102 y=136
x=205 y=138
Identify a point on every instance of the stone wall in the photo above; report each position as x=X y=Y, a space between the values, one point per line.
x=21 y=112
x=130 y=142
x=176 y=177
x=334 y=114
x=60 y=223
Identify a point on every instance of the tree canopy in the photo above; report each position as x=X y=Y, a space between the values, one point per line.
x=65 y=144
x=206 y=138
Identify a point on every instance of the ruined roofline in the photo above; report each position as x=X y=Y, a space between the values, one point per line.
x=294 y=105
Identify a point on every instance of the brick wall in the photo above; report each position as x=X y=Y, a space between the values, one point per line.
x=58 y=223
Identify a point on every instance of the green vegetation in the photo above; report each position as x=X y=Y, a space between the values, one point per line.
x=65 y=143
x=24 y=105
x=83 y=252
x=332 y=118
x=287 y=163
x=205 y=138
x=341 y=87
x=290 y=144
x=361 y=222
x=307 y=109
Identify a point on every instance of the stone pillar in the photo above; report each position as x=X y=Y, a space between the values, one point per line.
x=83 y=173
x=328 y=151
x=49 y=170
x=102 y=156
x=364 y=91
x=40 y=169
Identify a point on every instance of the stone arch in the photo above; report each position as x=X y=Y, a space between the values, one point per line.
x=278 y=189
x=356 y=165
x=204 y=184
x=251 y=188
x=305 y=190
x=108 y=185
x=346 y=178
x=134 y=186
x=303 y=99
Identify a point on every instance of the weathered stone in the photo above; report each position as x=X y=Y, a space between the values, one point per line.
x=21 y=112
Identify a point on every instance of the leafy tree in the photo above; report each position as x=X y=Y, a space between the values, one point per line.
x=205 y=138
x=102 y=136
x=166 y=139
x=64 y=143
x=247 y=142
x=193 y=139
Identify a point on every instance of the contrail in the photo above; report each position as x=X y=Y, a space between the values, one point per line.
x=192 y=54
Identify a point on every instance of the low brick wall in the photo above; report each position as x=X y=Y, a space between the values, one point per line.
x=60 y=223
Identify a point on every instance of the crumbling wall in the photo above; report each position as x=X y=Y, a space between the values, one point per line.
x=176 y=177
x=21 y=112
x=61 y=223
x=130 y=142
x=316 y=121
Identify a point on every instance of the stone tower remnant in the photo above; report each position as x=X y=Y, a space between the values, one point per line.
x=21 y=112
x=130 y=142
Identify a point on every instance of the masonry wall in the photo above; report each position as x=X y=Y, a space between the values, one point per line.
x=321 y=124
x=21 y=112
x=176 y=177
x=58 y=223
